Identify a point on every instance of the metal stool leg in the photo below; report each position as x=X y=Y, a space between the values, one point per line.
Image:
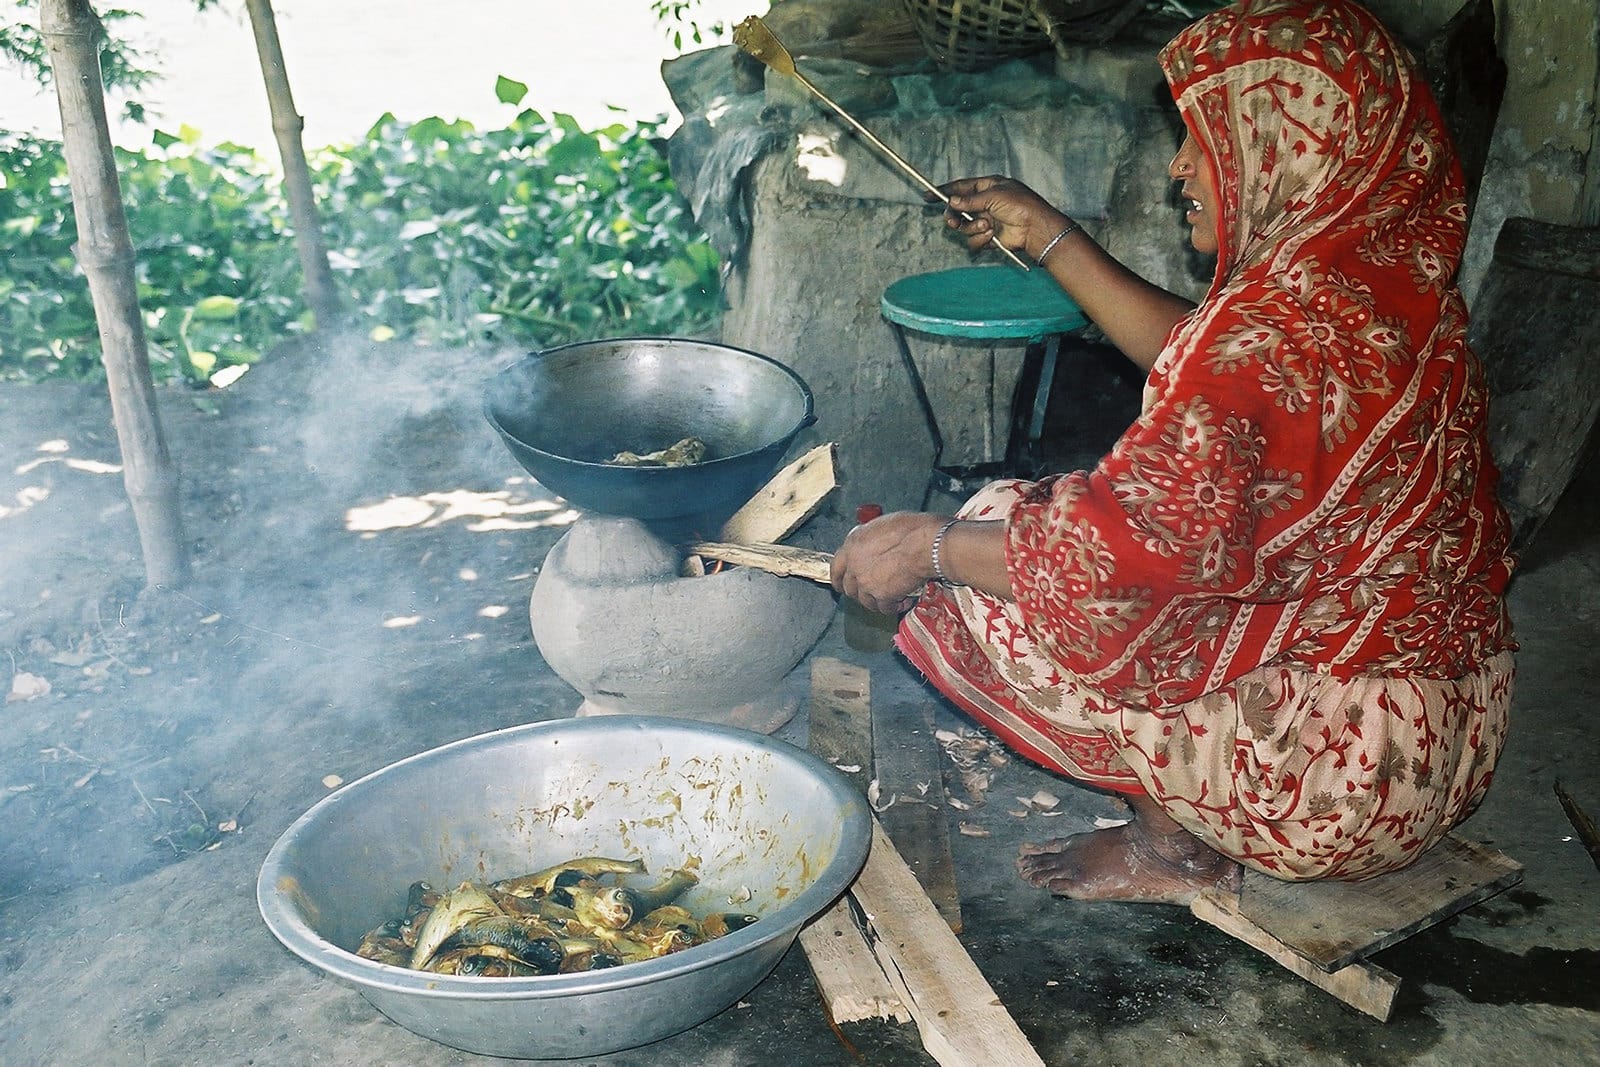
x=1022 y=459
x=927 y=411
x=1041 y=395
x=1028 y=402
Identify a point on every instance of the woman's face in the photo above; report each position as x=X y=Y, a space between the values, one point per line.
x=1199 y=191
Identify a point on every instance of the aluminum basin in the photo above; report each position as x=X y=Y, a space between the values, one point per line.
x=760 y=814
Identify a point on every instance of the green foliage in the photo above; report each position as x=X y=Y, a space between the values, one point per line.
x=677 y=18
x=539 y=231
x=207 y=225
x=122 y=66
x=535 y=234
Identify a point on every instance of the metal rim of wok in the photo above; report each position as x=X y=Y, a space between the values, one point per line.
x=808 y=418
x=645 y=491
x=783 y=922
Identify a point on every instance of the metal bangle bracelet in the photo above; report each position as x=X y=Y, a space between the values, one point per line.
x=1050 y=245
x=938 y=543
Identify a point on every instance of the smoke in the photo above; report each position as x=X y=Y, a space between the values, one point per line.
x=402 y=530
x=363 y=548
x=367 y=405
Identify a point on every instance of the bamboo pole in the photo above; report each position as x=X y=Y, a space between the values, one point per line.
x=287 y=126
x=72 y=34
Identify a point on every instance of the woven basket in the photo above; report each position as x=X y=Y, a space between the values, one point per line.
x=975 y=34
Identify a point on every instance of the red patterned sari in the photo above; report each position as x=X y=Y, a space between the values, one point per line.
x=1276 y=606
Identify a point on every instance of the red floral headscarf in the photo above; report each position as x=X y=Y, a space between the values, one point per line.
x=1309 y=482
x=1321 y=130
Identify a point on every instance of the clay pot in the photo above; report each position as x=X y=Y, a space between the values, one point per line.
x=614 y=620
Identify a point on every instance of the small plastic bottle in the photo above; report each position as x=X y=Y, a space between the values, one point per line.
x=864 y=630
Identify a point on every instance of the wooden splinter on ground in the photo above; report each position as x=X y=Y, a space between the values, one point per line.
x=1587 y=834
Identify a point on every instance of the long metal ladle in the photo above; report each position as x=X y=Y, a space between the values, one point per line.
x=752 y=36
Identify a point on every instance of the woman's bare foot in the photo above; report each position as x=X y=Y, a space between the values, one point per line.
x=1151 y=860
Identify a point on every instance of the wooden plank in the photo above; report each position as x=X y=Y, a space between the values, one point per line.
x=788 y=499
x=960 y=1019
x=1587 y=834
x=911 y=784
x=853 y=986
x=782 y=560
x=1362 y=985
x=1332 y=924
x=841 y=718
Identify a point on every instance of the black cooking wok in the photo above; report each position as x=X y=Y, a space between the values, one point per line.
x=563 y=412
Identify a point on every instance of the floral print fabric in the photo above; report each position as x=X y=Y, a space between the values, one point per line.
x=1305 y=506
x=1295 y=773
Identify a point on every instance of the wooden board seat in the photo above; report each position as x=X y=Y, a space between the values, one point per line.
x=1324 y=931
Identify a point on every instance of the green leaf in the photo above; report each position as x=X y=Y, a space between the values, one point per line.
x=217 y=308
x=574 y=153
x=508 y=91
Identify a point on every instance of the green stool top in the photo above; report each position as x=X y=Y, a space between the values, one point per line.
x=998 y=302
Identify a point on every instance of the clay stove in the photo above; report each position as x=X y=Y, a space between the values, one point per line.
x=611 y=612
x=616 y=620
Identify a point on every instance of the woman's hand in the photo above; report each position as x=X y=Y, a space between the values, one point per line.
x=883 y=564
x=1135 y=315
x=1002 y=209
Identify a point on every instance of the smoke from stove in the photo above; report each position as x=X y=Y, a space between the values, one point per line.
x=362 y=543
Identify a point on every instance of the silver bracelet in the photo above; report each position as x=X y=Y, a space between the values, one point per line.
x=938 y=543
x=1057 y=239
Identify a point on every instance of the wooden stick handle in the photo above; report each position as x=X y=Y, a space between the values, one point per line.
x=1580 y=822
x=782 y=560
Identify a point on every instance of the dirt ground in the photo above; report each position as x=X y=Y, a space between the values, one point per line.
x=363 y=554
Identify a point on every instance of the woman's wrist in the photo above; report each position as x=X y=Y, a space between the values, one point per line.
x=972 y=555
x=1053 y=245
x=937 y=558
x=1047 y=229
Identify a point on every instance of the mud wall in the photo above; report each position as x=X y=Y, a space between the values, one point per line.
x=1541 y=159
x=831 y=224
